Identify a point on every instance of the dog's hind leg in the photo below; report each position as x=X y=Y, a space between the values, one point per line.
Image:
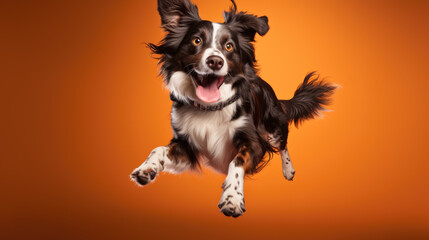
x=288 y=170
x=174 y=158
x=279 y=143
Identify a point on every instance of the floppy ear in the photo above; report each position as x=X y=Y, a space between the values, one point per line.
x=246 y=24
x=173 y=12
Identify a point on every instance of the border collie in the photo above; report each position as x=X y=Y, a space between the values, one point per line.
x=223 y=114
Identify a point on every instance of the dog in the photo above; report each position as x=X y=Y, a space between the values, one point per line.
x=223 y=114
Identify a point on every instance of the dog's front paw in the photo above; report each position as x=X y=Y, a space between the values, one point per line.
x=232 y=205
x=144 y=175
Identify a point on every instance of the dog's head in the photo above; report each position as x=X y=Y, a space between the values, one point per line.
x=201 y=59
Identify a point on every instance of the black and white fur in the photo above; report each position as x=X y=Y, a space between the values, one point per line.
x=223 y=115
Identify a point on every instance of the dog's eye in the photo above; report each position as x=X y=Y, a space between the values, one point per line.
x=229 y=47
x=197 y=41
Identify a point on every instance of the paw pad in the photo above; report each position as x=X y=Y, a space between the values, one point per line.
x=143 y=177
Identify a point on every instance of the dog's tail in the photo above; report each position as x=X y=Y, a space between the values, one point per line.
x=309 y=99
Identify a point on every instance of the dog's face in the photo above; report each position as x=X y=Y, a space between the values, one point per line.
x=201 y=59
x=208 y=53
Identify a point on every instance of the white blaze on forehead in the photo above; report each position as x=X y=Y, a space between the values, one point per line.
x=216 y=27
x=213 y=50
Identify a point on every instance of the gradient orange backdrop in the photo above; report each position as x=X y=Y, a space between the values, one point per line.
x=82 y=106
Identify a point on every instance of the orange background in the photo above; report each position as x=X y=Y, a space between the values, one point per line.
x=82 y=106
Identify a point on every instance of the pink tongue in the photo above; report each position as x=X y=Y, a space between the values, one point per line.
x=209 y=93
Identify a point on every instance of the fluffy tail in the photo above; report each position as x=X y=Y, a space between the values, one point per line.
x=309 y=99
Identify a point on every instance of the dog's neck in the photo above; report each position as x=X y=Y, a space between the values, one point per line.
x=215 y=107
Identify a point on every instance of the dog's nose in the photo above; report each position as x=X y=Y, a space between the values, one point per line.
x=214 y=62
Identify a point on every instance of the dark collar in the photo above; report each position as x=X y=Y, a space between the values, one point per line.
x=216 y=107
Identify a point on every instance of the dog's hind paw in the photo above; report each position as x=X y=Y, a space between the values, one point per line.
x=289 y=174
x=288 y=170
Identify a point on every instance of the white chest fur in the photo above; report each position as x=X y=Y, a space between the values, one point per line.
x=211 y=132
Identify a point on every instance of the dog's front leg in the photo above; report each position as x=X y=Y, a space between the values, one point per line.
x=174 y=158
x=232 y=200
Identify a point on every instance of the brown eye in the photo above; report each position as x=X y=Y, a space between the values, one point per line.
x=197 y=41
x=229 y=47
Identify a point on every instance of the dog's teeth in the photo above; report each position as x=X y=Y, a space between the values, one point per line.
x=200 y=78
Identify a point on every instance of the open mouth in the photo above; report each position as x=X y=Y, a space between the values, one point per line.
x=208 y=87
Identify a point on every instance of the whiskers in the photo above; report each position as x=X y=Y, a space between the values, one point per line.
x=189 y=69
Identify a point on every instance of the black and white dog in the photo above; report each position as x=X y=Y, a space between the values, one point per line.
x=223 y=115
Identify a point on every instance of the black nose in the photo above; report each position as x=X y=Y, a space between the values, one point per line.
x=214 y=62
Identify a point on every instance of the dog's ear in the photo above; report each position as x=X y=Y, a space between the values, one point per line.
x=174 y=12
x=246 y=24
